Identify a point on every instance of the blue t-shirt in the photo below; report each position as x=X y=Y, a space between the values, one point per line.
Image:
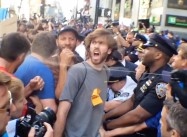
x=154 y=122
x=5 y=135
x=32 y=67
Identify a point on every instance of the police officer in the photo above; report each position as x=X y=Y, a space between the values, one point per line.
x=130 y=52
x=151 y=89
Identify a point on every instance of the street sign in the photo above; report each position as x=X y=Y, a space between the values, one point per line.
x=176 y=21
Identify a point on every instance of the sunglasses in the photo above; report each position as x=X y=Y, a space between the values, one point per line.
x=10 y=103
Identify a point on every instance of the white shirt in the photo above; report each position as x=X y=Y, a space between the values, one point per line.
x=126 y=92
x=81 y=50
x=123 y=62
x=11 y=128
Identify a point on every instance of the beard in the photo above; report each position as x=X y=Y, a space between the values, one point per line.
x=102 y=57
x=147 y=63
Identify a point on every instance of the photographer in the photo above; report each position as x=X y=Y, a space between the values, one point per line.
x=177 y=89
x=18 y=99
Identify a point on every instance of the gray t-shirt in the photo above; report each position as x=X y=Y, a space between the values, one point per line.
x=84 y=119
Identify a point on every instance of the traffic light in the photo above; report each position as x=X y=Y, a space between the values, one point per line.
x=104 y=12
x=107 y=13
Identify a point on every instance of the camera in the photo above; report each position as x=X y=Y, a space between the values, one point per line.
x=178 y=82
x=31 y=119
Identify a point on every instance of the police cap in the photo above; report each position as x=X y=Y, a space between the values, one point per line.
x=117 y=74
x=115 y=55
x=140 y=37
x=140 y=49
x=162 y=44
x=115 y=23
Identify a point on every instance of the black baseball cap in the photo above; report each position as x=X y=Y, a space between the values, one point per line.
x=68 y=29
x=162 y=44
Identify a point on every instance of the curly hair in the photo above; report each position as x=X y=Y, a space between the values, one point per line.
x=101 y=32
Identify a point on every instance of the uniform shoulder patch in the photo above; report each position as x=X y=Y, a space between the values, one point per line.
x=161 y=89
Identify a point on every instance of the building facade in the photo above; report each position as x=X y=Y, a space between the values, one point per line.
x=163 y=14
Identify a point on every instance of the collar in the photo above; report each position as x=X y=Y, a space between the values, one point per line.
x=123 y=62
x=166 y=68
x=128 y=82
x=6 y=71
x=3 y=69
x=146 y=75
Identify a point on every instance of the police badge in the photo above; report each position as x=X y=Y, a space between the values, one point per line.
x=161 y=89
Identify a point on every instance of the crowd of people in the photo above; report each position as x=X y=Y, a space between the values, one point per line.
x=99 y=82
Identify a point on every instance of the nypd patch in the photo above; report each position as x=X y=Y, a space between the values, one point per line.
x=161 y=90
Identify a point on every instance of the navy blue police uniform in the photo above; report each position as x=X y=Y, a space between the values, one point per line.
x=131 y=51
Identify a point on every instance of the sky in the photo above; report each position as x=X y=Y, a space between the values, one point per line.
x=68 y=5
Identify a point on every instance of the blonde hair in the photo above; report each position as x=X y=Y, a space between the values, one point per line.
x=183 y=48
x=4 y=78
x=16 y=87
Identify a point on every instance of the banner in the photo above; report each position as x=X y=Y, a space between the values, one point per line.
x=8 y=26
x=3 y=13
x=155 y=20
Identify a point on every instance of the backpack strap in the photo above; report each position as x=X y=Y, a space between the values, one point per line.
x=80 y=86
x=107 y=72
x=84 y=76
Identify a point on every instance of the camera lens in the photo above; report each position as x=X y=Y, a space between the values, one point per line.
x=48 y=115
